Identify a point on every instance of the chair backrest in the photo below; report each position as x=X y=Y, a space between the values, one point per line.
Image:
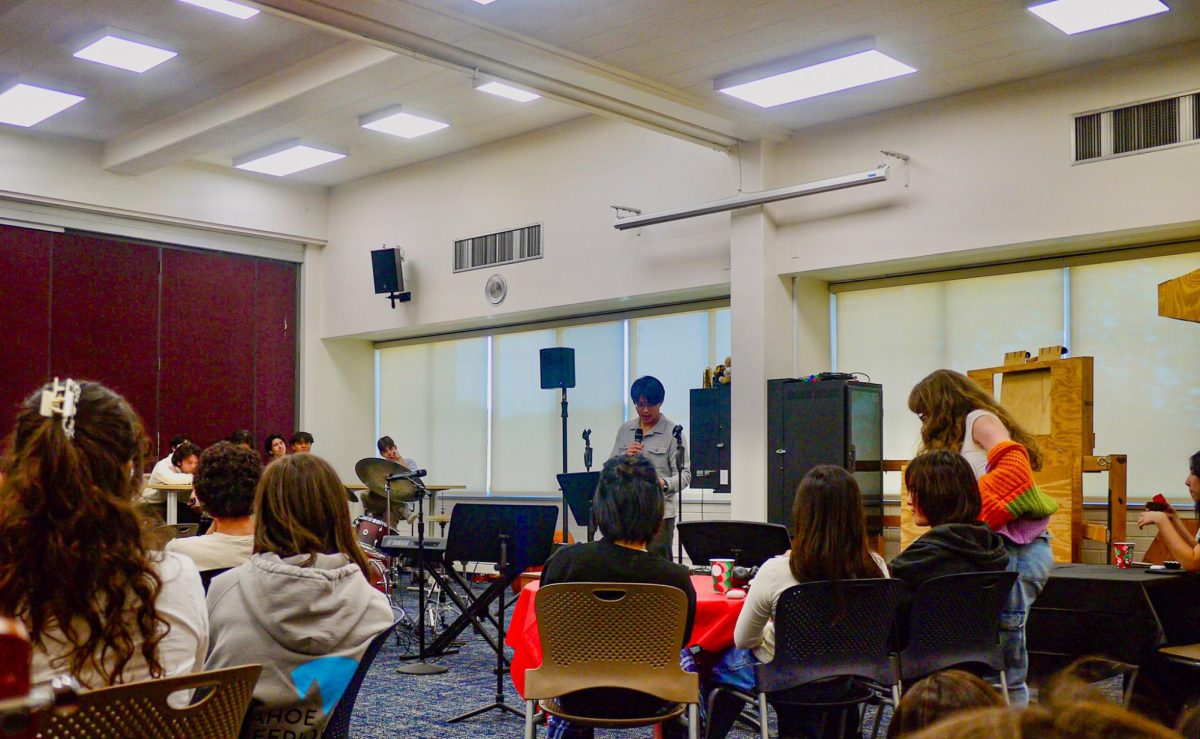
x=749 y=543
x=611 y=635
x=140 y=710
x=206 y=576
x=338 y=726
x=829 y=629
x=955 y=621
x=177 y=530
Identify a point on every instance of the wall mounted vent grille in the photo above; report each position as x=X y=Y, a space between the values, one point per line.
x=505 y=247
x=1138 y=127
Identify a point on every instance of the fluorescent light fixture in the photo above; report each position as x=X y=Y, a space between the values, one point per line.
x=26 y=105
x=124 y=54
x=287 y=158
x=1077 y=16
x=503 y=90
x=403 y=121
x=225 y=7
x=485 y=2
x=811 y=80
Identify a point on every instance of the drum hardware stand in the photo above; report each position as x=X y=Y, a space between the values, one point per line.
x=679 y=452
x=501 y=664
x=420 y=667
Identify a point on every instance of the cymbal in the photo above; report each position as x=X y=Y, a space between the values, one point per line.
x=374 y=472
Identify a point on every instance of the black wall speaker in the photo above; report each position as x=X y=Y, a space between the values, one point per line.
x=387 y=265
x=558 y=367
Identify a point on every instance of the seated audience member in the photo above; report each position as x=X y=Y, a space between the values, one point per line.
x=302 y=605
x=830 y=544
x=302 y=442
x=76 y=566
x=275 y=446
x=242 y=437
x=225 y=482
x=943 y=493
x=1180 y=542
x=176 y=468
x=938 y=696
x=628 y=508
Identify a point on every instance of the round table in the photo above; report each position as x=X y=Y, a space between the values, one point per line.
x=712 y=630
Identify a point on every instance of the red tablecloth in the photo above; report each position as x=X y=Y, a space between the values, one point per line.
x=716 y=616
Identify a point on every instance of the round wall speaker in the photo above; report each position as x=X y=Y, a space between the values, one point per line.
x=496 y=289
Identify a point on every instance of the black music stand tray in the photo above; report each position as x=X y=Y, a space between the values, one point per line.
x=515 y=537
x=748 y=543
x=578 y=488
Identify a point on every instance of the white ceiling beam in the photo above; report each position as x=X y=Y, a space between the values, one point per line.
x=235 y=114
x=440 y=35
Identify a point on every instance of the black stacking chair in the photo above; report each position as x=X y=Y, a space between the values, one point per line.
x=828 y=630
x=338 y=726
x=206 y=576
x=955 y=622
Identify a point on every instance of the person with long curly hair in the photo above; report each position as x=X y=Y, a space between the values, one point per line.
x=302 y=605
x=76 y=563
x=959 y=416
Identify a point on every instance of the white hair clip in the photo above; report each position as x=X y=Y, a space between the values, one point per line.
x=62 y=399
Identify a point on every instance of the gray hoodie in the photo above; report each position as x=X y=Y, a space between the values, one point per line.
x=307 y=626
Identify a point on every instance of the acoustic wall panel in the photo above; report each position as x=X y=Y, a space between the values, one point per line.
x=24 y=316
x=275 y=350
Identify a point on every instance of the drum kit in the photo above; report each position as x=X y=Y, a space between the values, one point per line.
x=374 y=473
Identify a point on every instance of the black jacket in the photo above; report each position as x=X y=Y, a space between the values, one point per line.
x=950 y=549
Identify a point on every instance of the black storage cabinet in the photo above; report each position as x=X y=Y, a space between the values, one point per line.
x=824 y=422
x=709 y=437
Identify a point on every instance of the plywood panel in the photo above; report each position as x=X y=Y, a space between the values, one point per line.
x=1026 y=395
x=1180 y=297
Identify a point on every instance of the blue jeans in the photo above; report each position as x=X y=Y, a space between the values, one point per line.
x=1032 y=563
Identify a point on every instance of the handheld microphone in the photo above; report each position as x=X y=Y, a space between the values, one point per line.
x=409 y=475
x=638 y=435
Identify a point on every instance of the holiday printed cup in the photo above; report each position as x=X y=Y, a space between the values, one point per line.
x=722 y=574
x=1123 y=554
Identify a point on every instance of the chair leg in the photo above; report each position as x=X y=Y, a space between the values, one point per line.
x=1004 y=689
x=693 y=721
x=763 y=730
x=530 y=732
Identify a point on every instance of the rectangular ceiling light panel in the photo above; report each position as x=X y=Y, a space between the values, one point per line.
x=400 y=121
x=1077 y=16
x=25 y=105
x=292 y=158
x=124 y=54
x=507 y=91
x=811 y=81
x=225 y=7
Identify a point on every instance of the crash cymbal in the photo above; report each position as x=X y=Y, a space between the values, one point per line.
x=374 y=472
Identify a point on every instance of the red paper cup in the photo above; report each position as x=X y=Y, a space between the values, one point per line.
x=722 y=574
x=1123 y=554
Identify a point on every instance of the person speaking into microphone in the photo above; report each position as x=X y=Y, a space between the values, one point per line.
x=650 y=434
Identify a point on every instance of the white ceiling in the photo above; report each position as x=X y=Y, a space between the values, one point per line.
x=308 y=68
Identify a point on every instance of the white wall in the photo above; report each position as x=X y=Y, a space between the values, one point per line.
x=564 y=177
x=56 y=171
x=989 y=168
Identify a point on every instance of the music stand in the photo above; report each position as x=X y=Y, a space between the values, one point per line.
x=578 y=488
x=515 y=537
x=748 y=543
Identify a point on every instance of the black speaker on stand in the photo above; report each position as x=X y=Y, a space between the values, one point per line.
x=558 y=371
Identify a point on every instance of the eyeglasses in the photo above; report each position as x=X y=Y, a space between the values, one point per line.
x=645 y=406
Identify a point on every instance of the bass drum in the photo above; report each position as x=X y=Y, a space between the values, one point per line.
x=377 y=566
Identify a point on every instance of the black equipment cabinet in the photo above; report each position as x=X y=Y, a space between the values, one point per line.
x=709 y=438
x=824 y=422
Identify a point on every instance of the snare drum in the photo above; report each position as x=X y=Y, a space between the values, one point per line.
x=371 y=530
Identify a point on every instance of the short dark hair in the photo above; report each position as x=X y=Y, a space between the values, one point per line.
x=628 y=505
x=385 y=443
x=301 y=436
x=242 y=436
x=271 y=440
x=647 y=387
x=183 y=451
x=178 y=439
x=1194 y=464
x=943 y=486
x=226 y=478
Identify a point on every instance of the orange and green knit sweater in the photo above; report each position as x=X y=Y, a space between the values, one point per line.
x=1007 y=489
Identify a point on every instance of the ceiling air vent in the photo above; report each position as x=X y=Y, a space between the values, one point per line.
x=505 y=247
x=1137 y=127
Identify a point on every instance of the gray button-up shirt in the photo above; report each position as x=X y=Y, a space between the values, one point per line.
x=658 y=446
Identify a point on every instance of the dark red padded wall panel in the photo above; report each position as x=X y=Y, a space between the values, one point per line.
x=24 y=317
x=207 y=377
x=104 y=317
x=275 y=371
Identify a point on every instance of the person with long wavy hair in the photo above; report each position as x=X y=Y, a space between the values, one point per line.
x=959 y=416
x=830 y=543
x=76 y=564
x=302 y=606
